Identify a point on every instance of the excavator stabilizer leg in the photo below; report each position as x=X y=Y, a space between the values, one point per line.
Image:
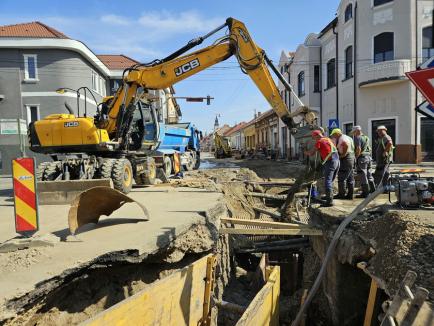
x=92 y=203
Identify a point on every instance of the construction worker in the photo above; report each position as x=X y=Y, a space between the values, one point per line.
x=363 y=155
x=384 y=156
x=329 y=160
x=345 y=146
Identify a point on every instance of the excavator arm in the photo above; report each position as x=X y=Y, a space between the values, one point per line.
x=178 y=66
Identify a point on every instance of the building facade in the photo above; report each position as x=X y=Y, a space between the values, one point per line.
x=35 y=61
x=360 y=60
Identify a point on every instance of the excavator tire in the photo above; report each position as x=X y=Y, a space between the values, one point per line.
x=40 y=170
x=106 y=168
x=167 y=166
x=150 y=175
x=122 y=175
x=51 y=171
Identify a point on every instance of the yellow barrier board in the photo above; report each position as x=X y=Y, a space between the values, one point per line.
x=177 y=299
x=25 y=201
x=264 y=309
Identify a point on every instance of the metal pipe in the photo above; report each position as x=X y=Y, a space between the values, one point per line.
x=337 y=71
x=355 y=66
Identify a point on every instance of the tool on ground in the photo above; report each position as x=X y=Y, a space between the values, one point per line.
x=88 y=206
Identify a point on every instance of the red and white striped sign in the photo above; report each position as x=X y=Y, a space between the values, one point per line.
x=26 y=203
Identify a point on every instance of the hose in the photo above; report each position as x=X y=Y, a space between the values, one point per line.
x=331 y=248
x=330 y=252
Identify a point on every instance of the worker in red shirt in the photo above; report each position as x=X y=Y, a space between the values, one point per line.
x=329 y=160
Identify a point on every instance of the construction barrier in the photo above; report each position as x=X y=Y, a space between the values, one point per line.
x=182 y=298
x=25 y=200
x=264 y=309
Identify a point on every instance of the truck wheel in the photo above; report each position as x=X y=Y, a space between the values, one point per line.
x=40 y=170
x=122 y=175
x=52 y=171
x=150 y=174
x=167 y=166
x=190 y=164
x=197 y=162
x=106 y=168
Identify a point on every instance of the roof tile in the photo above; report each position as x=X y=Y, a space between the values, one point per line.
x=117 y=61
x=31 y=30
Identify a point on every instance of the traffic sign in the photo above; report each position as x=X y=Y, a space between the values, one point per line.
x=424 y=81
x=25 y=201
x=426 y=109
x=333 y=124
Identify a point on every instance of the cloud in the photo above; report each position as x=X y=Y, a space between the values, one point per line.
x=175 y=23
x=115 y=20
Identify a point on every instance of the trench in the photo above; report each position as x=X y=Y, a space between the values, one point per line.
x=79 y=294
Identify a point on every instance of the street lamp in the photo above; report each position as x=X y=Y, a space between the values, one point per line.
x=64 y=90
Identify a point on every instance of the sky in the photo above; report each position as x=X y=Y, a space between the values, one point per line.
x=147 y=30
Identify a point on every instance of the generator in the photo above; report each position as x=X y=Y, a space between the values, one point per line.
x=412 y=191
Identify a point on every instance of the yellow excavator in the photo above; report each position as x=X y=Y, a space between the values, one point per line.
x=222 y=146
x=111 y=143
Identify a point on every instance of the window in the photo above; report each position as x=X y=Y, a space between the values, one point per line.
x=331 y=73
x=427 y=43
x=381 y=2
x=349 y=12
x=316 y=79
x=383 y=47
x=30 y=67
x=32 y=113
x=301 y=84
x=94 y=81
x=348 y=127
x=349 y=62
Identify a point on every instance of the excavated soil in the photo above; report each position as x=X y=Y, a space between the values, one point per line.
x=402 y=243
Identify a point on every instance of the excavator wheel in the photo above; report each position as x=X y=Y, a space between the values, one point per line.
x=106 y=168
x=51 y=171
x=150 y=174
x=40 y=170
x=167 y=166
x=122 y=175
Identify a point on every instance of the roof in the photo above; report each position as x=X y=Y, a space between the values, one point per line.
x=235 y=128
x=329 y=26
x=31 y=30
x=117 y=61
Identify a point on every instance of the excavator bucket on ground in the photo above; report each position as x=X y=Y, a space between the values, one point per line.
x=88 y=206
x=61 y=192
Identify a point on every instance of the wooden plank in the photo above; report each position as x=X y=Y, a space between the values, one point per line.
x=303 y=231
x=264 y=308
x=174 y=300
x=266 y=196
x=371 y=303
x=269 y=224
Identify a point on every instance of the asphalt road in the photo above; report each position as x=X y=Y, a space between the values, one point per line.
x=172 y=211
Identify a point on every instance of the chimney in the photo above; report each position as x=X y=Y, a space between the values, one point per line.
x=259 y=114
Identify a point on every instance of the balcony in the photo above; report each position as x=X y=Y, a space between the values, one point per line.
x=382 y=73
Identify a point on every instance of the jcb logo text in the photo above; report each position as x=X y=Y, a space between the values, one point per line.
x=187 y=67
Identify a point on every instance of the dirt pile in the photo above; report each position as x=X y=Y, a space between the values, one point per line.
x=402 y=243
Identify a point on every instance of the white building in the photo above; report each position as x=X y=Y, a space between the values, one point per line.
x=362 y=57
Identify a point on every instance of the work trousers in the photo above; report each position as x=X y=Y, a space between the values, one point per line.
x=364 y=163
x=382 y=173
x=345 y=175
x=330 y=170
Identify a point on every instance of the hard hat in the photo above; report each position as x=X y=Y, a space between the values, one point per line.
x=381 y=128
x=316 y=133
x=356 y=128
x=336 y=131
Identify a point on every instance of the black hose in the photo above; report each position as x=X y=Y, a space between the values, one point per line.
x=69 y=108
